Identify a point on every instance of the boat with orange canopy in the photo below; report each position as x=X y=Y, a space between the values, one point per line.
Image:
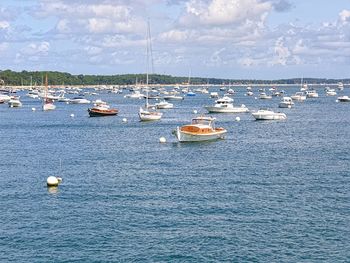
x=201 y=129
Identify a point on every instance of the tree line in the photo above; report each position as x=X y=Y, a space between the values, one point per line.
x=26 y=78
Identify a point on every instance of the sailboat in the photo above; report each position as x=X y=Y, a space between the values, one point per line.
x=48 y=103
x=189 y=92
x=147 y=114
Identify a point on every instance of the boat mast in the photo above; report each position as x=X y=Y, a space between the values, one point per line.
x=45 y=92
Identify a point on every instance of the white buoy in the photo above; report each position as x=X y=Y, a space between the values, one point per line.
x=336 y=100
x=162 y=140
x=255 y=98
x=195 y=111
x=33 y=109
x=52 y=181
x=72 y=115
x=125 y=120
x=238 y=118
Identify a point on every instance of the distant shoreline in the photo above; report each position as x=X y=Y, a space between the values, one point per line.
x=160 y=86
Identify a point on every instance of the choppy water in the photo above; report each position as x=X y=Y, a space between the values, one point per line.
x=269 y=192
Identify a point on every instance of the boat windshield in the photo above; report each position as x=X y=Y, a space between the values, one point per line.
x=202 y=121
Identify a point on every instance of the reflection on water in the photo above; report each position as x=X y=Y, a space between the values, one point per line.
x=52 y=190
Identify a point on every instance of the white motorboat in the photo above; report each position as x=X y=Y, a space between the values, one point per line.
x=173 y=97
x=79 y=100
x=264 y=114
x=340 y=85
x=135 y=95
x=33 y=94
x=214 y=95
x=164 y=105
x=225 y=105
x=230 y=92
x=263 y=95
x=344 y=98
x=331 y=92
x=14 y=102
x=299 y=96
x=286 y=102
x=311 y=93
x=4 y=98
x=200 y=129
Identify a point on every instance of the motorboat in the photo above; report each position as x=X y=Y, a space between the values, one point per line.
x=173 y=97
x=340 y=86
x=331 y=92
x=190 y=94
x=344 y=98
x=147 y=115
x=286 y=102
x=225 y=105
x=263 y=95
x=201 y=129
x=100 y=110
x=299 y=96
x=214 y=95
x=135 y=95
x=14 y=102
x=230 y=92
x=79 y=100
x=264 y=114
x=164 y=105
x=4 y=97
x=311 y=93
x=33 y=94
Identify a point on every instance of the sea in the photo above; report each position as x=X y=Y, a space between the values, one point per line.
x=271 y=191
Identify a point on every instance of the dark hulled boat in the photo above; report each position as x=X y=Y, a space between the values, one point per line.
x=102 y=111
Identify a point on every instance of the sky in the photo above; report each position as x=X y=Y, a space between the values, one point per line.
x=236 y=39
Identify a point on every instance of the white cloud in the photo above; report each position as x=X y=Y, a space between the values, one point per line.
x=91 y=50
x=86 y=17
x=223 y=12
x=282 y=52
x=4 y=25
x=32 y=49
x=344 y=16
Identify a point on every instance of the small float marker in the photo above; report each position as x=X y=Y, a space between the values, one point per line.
x=53 y=181
x=162 y=140
x=195 y=111
x=33 y=109
x=125 y=120
x=238 y=118
x=72 y=115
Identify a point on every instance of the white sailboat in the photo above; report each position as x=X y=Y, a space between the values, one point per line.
x=147 y=114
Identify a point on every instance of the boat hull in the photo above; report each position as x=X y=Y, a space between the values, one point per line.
x=275 y=116
x=102 y=113
x=344 y=99
x=212 y=109
x=193 y=137
x=49 y=106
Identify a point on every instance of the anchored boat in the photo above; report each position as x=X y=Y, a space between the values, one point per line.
x=200 y=129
